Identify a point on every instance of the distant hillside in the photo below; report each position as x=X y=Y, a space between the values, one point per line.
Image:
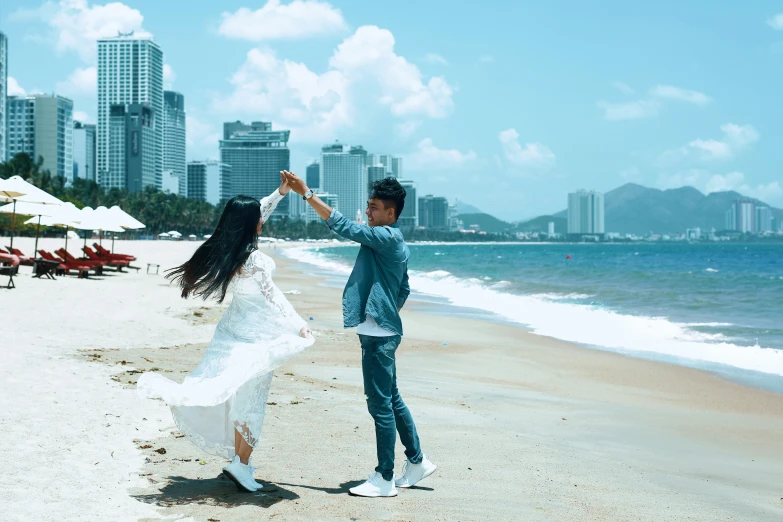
x=541 y=224
x=486 y=222
x=464 y=208
x=634 y=209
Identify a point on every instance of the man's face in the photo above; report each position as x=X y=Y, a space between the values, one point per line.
x=378 y=214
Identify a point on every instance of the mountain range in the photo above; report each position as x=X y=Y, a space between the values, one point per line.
x=635 y=209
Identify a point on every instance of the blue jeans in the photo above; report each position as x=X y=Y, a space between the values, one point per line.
x=389 y=412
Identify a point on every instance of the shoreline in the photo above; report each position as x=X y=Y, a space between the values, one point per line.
x=523 y=427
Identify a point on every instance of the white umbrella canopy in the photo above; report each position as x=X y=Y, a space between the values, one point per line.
x=18 y=191
x=65 y=215
x=30 y=193
x=9 y=192
x=124 y=219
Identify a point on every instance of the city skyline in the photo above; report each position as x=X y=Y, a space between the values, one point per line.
x=599 y=118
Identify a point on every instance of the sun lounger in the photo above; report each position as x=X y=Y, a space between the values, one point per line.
x=23 y=259
x=116 y=263
x=9 y=266
x=82 y=270
x=102 y=252
x=64 y=254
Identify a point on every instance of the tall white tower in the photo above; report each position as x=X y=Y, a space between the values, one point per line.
x=130 y=70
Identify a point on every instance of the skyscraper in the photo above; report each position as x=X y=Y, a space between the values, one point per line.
x=256 y=155
x=434 y=212
x=375 y=173
x=132 y=148
x=20 y=126
x=345 y=176
x=741 y=216
x=208 y=181
x=130 y=71
x=3 y=96
x=409 y=218
x=313 y=174
x=764 y=220
x=585 y=212
x=84 y=151
x=396 y=167
x=174 y=137
x=310 y=214
x=42 y=126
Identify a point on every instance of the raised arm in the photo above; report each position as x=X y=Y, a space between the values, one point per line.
x=269 y=203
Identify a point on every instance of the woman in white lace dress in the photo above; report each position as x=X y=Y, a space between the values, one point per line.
x=220 y=405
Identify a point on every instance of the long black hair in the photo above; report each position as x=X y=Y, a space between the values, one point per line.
x=221 y=256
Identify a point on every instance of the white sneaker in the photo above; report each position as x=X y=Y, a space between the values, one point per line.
x=414 y=473
x=375 y=487
x=252 y=471
x=240 y=475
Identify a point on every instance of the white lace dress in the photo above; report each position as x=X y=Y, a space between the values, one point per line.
x=228 y=389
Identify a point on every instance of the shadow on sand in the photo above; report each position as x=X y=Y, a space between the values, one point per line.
x=217 y=491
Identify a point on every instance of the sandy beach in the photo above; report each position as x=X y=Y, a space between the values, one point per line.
x=522 y=427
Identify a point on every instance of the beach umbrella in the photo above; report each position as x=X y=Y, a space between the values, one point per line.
x=16 y=190
x=125 y=220
x=66 y=215
x=97 y=219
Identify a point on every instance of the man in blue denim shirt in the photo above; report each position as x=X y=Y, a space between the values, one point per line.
x=375 y=294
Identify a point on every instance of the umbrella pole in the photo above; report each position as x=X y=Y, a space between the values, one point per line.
x=37 y=231
x=112 y=242
x=66 y=237
x=13 y=223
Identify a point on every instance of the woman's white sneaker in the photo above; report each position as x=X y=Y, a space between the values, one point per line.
x=240 y=475
x=414 y=473
x=375 y=486
x=252 y=472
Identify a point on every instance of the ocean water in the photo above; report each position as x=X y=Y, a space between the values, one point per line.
x=713 y=306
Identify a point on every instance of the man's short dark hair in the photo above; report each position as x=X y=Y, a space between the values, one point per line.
x=391 y=193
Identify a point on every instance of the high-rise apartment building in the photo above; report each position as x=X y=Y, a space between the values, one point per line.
x=344 y=175
x=256 y=155
x=396 y=169
x=20 y=126
x=174 y=137
x=409 y=218
x=84 y=151
x=375 y=173
x=130 y=72
x=132 y=148
x=741 y=216
x=313 y=175
x=764 y=220
x=42 y=126
x=209 y=181
x=3 y=96
x=585 y=212
x=434 y=212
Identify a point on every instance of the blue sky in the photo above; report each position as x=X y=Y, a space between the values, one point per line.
x=504 y=105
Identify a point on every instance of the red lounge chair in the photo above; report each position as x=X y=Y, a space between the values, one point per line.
x=64 y=254
x=65 y=267
x=102 y=252
x=23 y=259
x=116 y=263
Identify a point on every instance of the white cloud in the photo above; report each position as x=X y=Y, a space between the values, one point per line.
x=14 y=89
x=631 y=110
x=169 y=76
x=369 y=52
x=534 y=156
x=428 y=156
x=723 y=183
x=669 y=92
x=735 y=139
x=776 y=22
x=771 y=193
x=82 y=117
x=486 y=59
x=631 y=174
x=408 y=128
x=364 y=74
x=276 y=21
x=436 y=58
x=201 y=138
x=81 y=81
x=623 y=87
x=76 y=26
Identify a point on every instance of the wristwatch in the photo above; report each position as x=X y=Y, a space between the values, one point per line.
x=307 y=195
